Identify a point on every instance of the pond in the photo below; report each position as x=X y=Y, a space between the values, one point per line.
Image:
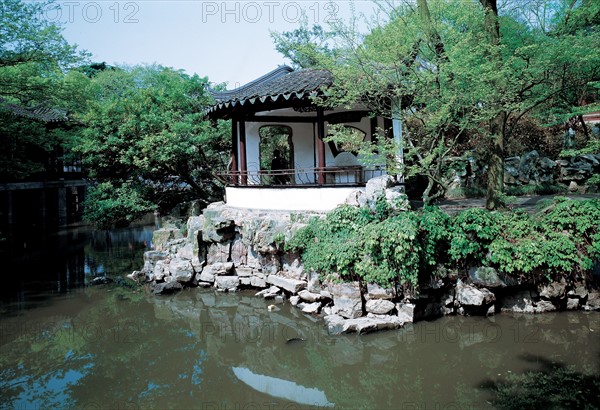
x=65 y=345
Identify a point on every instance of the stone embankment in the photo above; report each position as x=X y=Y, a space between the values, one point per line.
x=228 y=249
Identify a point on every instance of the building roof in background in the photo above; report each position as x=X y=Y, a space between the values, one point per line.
x=40 y=113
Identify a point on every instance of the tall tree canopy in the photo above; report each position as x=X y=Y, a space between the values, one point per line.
x=34 y=90
x=454 y=67
x=146 y=142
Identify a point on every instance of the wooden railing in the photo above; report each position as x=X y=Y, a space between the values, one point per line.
x=354 y=175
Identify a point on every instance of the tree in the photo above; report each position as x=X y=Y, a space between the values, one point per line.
x=459 y=67
x=147 y=143
x=35 y=95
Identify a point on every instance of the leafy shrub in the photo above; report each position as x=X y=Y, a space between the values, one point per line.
x=364 y=244
x=472 y=231
x=391 y=251
x=434 y=236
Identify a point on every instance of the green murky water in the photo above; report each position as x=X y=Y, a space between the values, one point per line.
x=111 y=347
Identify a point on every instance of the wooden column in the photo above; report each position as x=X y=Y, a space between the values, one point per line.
x=320 y=146
x=234 y=152
x=243 y=163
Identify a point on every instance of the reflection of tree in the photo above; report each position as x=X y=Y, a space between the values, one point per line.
x=554 y=386
x=116 y=252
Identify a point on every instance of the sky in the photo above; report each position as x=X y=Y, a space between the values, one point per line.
x=227 y=41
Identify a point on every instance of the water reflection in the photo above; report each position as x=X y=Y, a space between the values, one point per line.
x=68 y=260
x=63 y=345
x=111 y=347
x=284 y=389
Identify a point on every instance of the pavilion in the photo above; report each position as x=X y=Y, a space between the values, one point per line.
x=277 y=112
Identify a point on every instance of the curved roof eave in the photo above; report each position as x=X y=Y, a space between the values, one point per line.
x=282 y=85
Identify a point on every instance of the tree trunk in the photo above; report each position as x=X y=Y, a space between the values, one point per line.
x=495 y=181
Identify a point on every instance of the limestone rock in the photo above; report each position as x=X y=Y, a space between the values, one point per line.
x=194 y=224
x=312 y=308
x=593 y=302
x=186 y=252
x=376 y=187
x=269 y=293
x=219 y=269
x=572 y=304
x=406 y=312
x=579 y=292
x=181 y=270
x=218 y=252
x=356 y=198
x=309 y=296
x=555 y=290
x=347 y=300
x=207 y=275
x=374 y=291
x=543 y=306
x=488 y=277
x=379 y=306
x=469 y=295
x=520 y=302
x=218 y=225
x=289 y=284
x=337 y=324
x=229 y=283
x=243 y=272
x=161 y=237
x=313 y=284
x=161 y=269
x=258 y=282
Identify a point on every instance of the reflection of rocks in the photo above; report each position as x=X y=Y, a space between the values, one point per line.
x=166 y=288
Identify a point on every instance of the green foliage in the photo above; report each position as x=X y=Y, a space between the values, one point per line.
x=146 y=124
x=387 y=248
x=434 y=234
x=108 y=204
x=391 y=251
x=460 y=73
x=472 y=232
x=34 y=57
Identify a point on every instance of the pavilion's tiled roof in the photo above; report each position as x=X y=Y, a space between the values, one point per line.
x=40 y=113
x=283 y=83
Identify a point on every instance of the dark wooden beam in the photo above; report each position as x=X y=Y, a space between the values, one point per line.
x=243 y=163
x=234 y=152
x=374 y=129
x=281 y=118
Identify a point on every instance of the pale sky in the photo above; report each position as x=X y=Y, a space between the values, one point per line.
x=228 y=41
